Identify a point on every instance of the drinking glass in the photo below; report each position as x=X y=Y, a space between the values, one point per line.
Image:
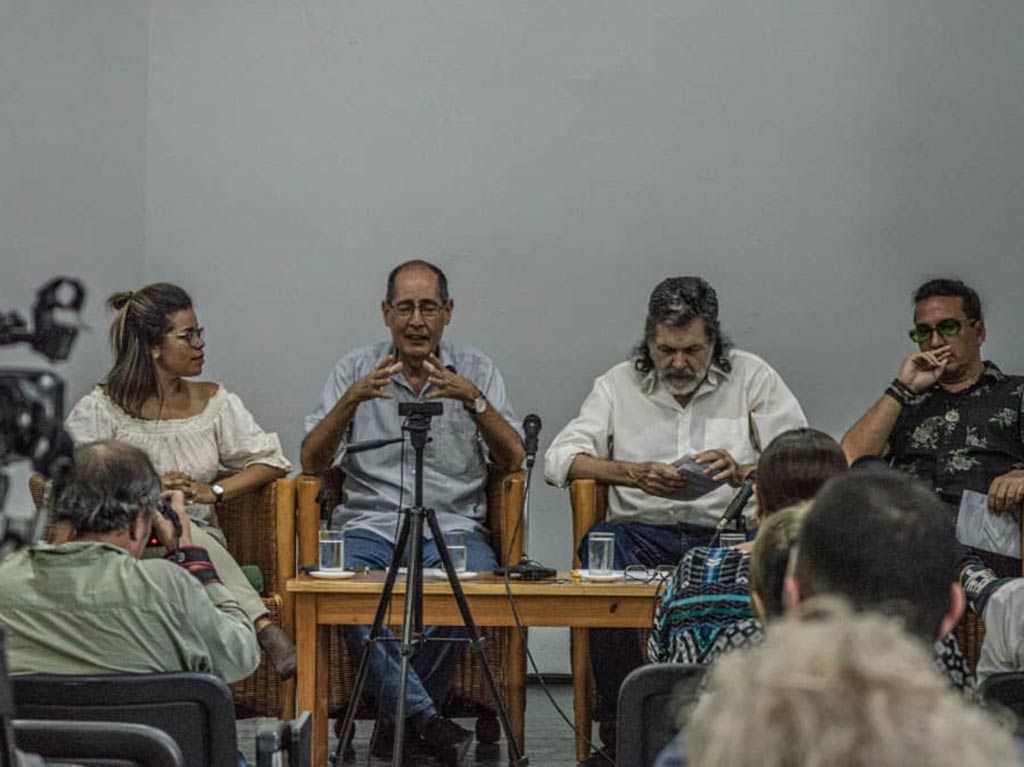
x=456 y=544
x=601 y=548
x=332 y=551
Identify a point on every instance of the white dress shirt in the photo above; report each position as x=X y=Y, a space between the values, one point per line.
x=1003 y=647
x=630 y=416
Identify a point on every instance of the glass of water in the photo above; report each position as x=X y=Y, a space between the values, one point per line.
x=601 y=550
x=456 y=543
x=332 y=551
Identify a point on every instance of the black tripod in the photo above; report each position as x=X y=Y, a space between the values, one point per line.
x=417 y=425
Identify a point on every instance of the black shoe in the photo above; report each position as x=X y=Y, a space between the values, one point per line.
x=382 y=742
x=447 y=741
x=602 y=758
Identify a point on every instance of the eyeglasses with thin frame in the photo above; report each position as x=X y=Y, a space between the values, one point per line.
x=193 y=337
x=649 y=574
x=946 y=328
x=428 y=309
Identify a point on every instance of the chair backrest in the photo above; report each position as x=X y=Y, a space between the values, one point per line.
x=98 y=744
x=649 y=704
x=1006 y=690
x=196 y=710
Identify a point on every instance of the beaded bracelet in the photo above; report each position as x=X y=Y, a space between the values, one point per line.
x=900 y=392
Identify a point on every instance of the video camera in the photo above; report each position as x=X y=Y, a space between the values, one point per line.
x=32 y=401
x=31 y=418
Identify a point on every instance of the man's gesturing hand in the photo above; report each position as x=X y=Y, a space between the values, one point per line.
x=371 y=386
x=448 y=384
x=1006 y=492
x=720 y=465
x=922 y=370
x=656 y=478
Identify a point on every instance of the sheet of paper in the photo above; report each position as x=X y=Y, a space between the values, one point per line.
x=976 y=526
x=698 y=483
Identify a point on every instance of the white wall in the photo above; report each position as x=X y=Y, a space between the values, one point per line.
x=814 y=160
x=72 y=166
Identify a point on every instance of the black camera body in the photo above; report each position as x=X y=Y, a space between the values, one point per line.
x=421 y=409
x=165 y=510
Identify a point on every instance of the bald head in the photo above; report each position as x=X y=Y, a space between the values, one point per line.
x=110 y=485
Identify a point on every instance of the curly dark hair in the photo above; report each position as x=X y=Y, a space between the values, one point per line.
x=676 y=302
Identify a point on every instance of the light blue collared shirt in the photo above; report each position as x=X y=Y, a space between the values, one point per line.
x=378 y=482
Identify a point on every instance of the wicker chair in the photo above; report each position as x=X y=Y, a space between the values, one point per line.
x=260 y=530
x=470 y=694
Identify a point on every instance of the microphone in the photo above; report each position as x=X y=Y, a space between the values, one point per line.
x=531 y=427
x=735 y=507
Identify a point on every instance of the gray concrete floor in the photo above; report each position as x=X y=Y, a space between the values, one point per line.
x=549 y=740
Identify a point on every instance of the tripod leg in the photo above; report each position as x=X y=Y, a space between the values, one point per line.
x=412 y=631
x=375 y=632
x=515 y=757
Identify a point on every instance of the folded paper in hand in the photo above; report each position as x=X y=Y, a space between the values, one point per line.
x=698 y=483
x=979 y=528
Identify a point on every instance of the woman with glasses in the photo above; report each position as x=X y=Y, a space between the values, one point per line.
x=706 y=608
x=192 y=431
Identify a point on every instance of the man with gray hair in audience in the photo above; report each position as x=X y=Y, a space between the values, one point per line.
x=684 y=393
x=92 y=605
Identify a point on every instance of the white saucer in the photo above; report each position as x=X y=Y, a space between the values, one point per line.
x=333 y=575
x=614 y=575
x=438 y=572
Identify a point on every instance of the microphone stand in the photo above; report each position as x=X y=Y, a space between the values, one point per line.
x=526 y=568
x=413 y=636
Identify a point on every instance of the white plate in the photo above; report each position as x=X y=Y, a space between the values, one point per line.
x=614 y=575
x=333 y=575
x=437 y=572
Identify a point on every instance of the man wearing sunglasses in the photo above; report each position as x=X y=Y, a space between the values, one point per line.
x=950 y=417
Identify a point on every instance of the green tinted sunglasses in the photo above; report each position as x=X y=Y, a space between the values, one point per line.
x=946 y=328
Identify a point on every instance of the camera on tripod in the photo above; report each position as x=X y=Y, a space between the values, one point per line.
x=420 y=409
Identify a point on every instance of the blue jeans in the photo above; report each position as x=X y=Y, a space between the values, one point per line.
x=431 y=667
x=616 y=652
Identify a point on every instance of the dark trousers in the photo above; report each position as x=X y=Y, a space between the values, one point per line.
x=616 y=652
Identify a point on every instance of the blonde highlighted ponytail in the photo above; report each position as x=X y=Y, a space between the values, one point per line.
x=141 y=320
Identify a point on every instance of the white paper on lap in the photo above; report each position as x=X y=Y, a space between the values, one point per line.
x=978 y=528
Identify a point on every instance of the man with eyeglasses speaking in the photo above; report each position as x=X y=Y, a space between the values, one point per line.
x=477 y=426
x=949 y=417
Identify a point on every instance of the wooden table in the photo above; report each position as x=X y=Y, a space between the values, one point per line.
x=562 y=602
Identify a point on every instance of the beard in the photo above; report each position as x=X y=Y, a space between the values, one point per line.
x=679 y=383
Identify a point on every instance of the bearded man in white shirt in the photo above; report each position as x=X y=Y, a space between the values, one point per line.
x=683 y=393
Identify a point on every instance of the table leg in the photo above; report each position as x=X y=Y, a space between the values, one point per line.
x=516 y=687
x=307 y=636
x=583 y=704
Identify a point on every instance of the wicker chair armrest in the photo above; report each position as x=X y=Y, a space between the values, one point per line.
x=260 y=530
x=504 y=505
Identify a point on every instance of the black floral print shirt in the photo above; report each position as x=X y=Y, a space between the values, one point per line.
x=962 y=441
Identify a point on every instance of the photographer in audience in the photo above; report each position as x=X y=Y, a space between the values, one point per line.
x=93 y=606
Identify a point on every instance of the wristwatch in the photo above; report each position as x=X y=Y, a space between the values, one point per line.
x=218 y=493
x=478 y=407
